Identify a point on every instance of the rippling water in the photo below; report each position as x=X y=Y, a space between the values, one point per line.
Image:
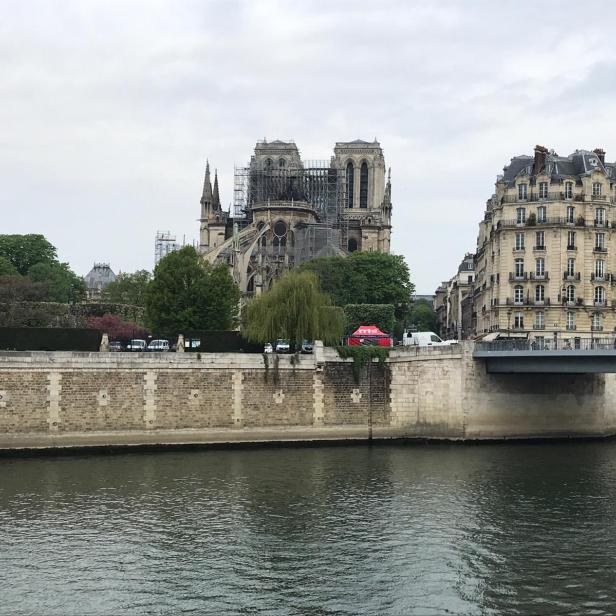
x=388 y=529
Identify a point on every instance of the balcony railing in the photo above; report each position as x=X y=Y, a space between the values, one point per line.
x=601 y=277
x=535 y=276
x=513 y=277
x=534 y=197
x=571 y=247
x=572 y=277
x=599 y=303
x=527 y=301
x=600 y=249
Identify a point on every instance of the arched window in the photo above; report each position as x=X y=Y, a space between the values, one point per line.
x=352 y=244
x=350 y=180
x=363 y=186
x=282 y=163
x=268 y=163
x=518 y=294
x=250 y=287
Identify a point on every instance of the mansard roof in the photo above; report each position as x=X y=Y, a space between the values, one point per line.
x=580 y=163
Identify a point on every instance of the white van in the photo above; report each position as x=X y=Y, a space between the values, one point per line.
x=424 y=339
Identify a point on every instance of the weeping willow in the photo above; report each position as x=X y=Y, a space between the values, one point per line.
x=296 y=309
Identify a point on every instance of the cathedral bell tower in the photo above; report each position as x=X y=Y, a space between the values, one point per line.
x=213 y=220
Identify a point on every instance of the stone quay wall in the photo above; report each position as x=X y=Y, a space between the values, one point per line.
x=114 y=399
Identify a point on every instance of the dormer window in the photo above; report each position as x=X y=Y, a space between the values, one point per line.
x=522 y=192
x=543 y=190
x=568 y=190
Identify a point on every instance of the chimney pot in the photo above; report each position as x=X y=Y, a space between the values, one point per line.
x=600 y=154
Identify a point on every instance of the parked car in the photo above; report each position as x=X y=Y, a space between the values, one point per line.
x=307 y=346
x=136 y=345
x=282 y=346
x=115 y=346
x=268 y=348
x=158 y=345
x=424 y=339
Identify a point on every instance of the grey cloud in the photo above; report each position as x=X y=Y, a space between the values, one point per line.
x=109 y=109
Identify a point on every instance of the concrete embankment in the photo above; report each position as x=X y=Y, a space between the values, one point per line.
x=50 y=400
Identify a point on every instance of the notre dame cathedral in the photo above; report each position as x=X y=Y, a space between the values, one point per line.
x=287 y=210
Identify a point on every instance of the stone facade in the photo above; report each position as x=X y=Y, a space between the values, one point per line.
x=546 y=249
x=288 y=210
x=64 y=399
x=453 y=302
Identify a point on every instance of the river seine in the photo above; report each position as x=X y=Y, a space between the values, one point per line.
x=387 y=529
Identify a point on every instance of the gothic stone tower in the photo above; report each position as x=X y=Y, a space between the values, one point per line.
x=367 y=195
x=213 y=220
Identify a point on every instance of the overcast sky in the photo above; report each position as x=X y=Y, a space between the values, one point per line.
x=108 y=110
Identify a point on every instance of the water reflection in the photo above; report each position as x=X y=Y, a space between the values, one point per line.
x=342 y=530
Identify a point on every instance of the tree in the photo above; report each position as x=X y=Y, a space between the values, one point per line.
x=24 y=251
x=117 y=329
x=422 y=316
x=64 y=286
x=295 y=309
x=7 y=268
x=365 y=278
x=188 y=293
x=381 y=315
x=128 y=289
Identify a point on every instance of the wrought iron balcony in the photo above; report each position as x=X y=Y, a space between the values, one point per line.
x=572 y=277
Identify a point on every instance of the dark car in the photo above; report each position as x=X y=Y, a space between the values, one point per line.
x=116 y=346
x=307 y=346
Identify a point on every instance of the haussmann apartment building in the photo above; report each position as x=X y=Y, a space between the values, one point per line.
x=546 y=251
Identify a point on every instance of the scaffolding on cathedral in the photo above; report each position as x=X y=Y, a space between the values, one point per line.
x=315 y=182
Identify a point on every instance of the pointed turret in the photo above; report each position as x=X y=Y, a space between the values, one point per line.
x=206 y=197
x=215 y=195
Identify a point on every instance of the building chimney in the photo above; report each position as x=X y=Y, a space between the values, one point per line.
x=600 y=155
x=541 y=157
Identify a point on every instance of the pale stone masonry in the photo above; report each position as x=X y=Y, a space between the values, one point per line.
x=546 y=250
x=81 y=399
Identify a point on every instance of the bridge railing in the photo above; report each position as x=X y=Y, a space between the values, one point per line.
x=579 y=343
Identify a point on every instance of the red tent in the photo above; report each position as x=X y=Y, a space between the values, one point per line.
x=369 y=335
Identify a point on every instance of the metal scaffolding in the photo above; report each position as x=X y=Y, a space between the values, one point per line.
x=315 y=182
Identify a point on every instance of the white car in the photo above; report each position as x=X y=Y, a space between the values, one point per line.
x=268 y=348
x=136 y=344
x=158 y=345
x=282 y=346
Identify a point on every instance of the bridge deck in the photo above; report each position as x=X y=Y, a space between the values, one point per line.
x=514 y=356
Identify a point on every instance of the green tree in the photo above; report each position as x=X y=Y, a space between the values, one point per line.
x=422 y=316
x=7 y=268
x=63 y=284
x=365 y=278
x=128 y=289
x=381 y=315
x=295 y=309
x=187 y=293
x=24 y=251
